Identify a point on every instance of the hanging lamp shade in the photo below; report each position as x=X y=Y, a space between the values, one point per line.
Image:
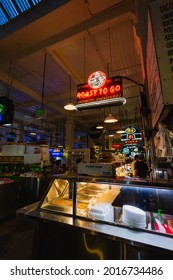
x=99 y=126
x=70 y=106
x=120 y=131
x=110 y=119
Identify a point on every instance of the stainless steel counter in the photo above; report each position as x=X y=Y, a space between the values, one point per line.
x=140 y=239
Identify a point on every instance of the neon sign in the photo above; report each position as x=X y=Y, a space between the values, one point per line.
x=131 y=136
x=127 y=142
x=6 y=110
x=56 y=152
x=2 y=109
x=97 y=79
x=116 y=146
x=130 y=130
x=111 y=88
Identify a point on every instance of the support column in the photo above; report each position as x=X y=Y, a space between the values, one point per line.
x=20 y=136
x=69 y=133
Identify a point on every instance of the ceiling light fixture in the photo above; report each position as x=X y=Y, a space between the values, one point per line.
x=33 y=133
x=120 y=131
x=70 y=106
x=60 y=146
x=99 y=126
x=7 y=124
x=110 y=119
x=111 y=135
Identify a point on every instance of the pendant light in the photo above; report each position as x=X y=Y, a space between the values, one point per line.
x=120 y=131
x=70 y=106
x=110 y=119
x=99 y=126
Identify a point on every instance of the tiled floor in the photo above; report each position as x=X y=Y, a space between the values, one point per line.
x=16 y=238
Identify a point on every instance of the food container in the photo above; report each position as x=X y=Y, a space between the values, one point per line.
x=102 y=211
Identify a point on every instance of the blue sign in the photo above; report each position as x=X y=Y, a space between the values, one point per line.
x=54 y=152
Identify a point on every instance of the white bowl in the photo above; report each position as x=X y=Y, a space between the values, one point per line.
x=133 y=216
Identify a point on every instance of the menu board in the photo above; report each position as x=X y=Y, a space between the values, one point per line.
x=154 y=82
x=161 y=13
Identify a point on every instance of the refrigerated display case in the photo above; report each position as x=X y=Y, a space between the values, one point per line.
x=122 y=219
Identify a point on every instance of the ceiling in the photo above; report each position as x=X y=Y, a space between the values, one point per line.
x=78 y=38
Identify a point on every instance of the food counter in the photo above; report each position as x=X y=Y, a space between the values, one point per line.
x=98 y=218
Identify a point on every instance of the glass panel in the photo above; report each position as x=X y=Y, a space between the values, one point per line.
x=88 y=195
x=59 y=197
x=148 y=208
x=130 y=206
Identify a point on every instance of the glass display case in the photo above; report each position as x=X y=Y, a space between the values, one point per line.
x=143 y=206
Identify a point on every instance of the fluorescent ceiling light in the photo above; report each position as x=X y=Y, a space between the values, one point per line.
x=7 y=124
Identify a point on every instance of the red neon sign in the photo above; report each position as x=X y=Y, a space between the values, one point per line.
x=116 y=146
x=97 y=79
x=112 y=88
x=131 y=141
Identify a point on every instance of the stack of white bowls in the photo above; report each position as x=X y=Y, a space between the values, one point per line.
x=133 y=216
x=102 y=211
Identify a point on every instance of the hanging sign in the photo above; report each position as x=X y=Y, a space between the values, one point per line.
x=99 y=91
x=131 y=136
x=6 y=110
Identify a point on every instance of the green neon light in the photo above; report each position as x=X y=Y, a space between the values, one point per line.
x=2 y=108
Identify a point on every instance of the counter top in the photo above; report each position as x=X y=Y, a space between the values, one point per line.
x=115 y=232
